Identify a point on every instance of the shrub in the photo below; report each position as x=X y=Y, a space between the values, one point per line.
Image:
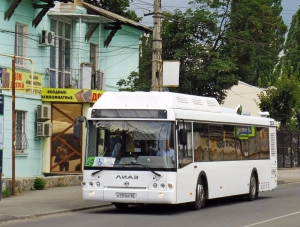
x=6 y=193
x=39 y=183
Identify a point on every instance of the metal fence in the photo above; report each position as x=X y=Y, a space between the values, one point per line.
x=288 y=151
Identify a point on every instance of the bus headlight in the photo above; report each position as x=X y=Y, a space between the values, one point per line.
x=83 y=183
x=91 y=184
x=162 y=185
x=98 y=184
x=154 y=185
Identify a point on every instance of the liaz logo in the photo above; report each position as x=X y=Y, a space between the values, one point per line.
x=127 y=177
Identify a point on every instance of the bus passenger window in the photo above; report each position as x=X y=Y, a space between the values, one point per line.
x=264 y=143
x=242 y=142
x=216 y=145
x=200 y=137
x=229 y=142
x=254 y=149
x=185 y=154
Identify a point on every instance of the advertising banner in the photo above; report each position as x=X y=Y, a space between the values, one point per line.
x=23 y=81
x=70 y=95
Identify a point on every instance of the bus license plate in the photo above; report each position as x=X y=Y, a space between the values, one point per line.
x=126 y=195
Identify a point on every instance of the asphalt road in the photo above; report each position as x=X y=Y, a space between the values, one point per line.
x=278 y=208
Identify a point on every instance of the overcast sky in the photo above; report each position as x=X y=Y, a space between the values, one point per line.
x=143 y=6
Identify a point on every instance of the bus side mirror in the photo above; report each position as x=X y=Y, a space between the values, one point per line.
x=78 y=127
x=183 y=136
x=77 y=130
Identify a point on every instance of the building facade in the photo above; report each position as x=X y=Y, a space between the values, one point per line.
x=245 y=95
x=72 y=53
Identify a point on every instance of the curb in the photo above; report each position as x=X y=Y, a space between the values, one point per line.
x=8 y=218
x=281 y=182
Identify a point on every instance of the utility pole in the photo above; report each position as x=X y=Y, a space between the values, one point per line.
x=13 y=109
x=157 y=47
x=13 y=126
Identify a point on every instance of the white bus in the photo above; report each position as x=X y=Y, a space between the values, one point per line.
x=212 y=151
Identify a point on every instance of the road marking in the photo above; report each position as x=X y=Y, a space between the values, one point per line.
x=272 y=219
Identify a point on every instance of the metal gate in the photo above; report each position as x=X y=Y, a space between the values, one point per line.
x=288 y=151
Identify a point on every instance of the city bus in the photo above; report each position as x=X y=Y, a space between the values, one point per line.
x=171 y=148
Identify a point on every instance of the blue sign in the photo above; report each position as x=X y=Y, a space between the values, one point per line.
x=247 y=131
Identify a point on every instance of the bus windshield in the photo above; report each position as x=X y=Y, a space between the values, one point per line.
x=133 y=143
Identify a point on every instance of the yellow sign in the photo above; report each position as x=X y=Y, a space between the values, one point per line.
x=70 y=95
x=23 y=81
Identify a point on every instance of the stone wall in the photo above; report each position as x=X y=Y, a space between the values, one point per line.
x=27 y=184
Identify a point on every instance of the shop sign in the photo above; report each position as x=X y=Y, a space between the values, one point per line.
x=23 y=81
x=70 y=95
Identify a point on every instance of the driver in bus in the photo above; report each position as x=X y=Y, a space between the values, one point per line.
x=166 y=150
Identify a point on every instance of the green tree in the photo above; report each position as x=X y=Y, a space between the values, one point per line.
x=219 y=42
x=255 y=38
x=116 y=6
x=193 y=37
x=281 y=101
x=196 y=39
x=291 y=50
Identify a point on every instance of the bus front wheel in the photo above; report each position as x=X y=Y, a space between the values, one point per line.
x=253 y=193
x=200 y=196
x=121 y=205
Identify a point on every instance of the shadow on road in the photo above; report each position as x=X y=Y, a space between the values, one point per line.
x=163 y=209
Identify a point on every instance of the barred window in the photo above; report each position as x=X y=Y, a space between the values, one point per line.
x=21 y=139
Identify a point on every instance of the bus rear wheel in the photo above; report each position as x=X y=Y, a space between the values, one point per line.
x=121 y=205
x=253 y=193
x=200 y=196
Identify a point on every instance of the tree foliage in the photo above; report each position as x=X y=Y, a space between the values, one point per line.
x=195 y=38
x=291 y=57
x=284 y=101
x=256 y=37
x=116 y=6
x=281 y=100
x=219 y=42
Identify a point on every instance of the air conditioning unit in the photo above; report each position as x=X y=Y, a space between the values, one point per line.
x=43 y=113
x=43 y=129
x=47 y=38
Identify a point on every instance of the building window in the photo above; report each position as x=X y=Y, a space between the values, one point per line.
x=21 y=138
x=20 y=43
x=60 y=56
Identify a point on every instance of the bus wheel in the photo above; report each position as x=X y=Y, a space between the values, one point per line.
x=252 y=188
x=121 y=205
x=200 y=196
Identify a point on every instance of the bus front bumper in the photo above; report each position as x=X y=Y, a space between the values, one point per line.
x=130 y=195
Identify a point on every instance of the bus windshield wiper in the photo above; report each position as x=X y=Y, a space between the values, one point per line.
x=157 y=174
x=98 y=171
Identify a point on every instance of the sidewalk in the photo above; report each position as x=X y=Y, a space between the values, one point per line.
x=64 y=199
x=44 y=202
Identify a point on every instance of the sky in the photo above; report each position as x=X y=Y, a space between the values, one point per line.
x=144 y=6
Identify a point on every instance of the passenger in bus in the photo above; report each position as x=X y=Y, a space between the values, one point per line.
x=166 y=150
x=116 y=139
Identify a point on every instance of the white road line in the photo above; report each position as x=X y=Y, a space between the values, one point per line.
x=272 y=219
